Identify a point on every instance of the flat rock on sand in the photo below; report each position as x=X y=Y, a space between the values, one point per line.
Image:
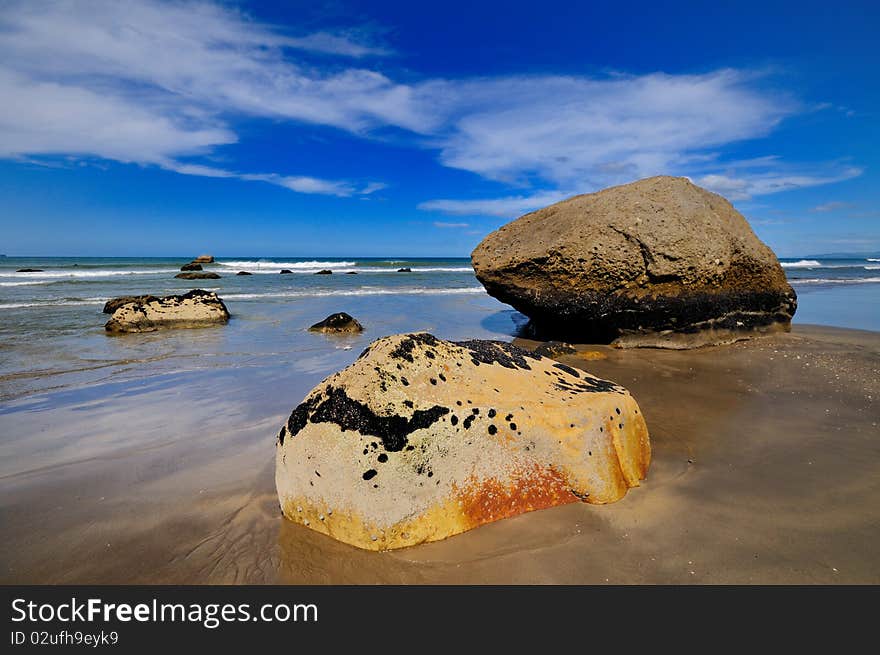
x=659 y=262
x=421 y=439
x=194 y=309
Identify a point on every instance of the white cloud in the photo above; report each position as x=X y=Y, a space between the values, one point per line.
x=576 y=130
x=504 y=207
x=445 y=225
x=149 y=82
x=161 y=83
x=832 y=206
x=746 y=185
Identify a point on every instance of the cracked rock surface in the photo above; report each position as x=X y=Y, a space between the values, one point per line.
x=420 y=439
x=658 y=262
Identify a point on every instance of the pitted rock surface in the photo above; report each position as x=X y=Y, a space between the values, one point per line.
x=420 y=439
x=194 y=309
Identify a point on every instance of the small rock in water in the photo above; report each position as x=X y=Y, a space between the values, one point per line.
x=286 y=271
x=339 y=322
x=404 y=270
x=243 y=273
x=192 y=266
x=29 y=270
x=325 y=271
x=197 y=276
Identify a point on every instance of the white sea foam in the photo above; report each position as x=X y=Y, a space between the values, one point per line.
x=849 y=280
x=274 y=267
x=379 y=291
x=54 y=303
x=69 y=273
x=872 y=268
x=803 y=263
x=872 y=259
x=23 y=284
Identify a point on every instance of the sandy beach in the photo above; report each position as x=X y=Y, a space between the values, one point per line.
x=765 y=470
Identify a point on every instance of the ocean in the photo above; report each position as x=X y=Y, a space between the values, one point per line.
x=51 y=325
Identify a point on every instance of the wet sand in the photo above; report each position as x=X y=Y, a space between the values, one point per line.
x=766 y=469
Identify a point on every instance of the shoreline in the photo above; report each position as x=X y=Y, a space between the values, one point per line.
x=744 y=486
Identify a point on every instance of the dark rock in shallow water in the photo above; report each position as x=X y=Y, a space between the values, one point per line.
x=554 y=349
x=192 y=266
x=115 y=303
x=29 y=270
x=325 y=271
x=286 y=271
x=197 y=276
x=659 y=262
x=421 y=438
x=404 y=270
x=243 y=273
x=340 y=322
x=351 y=273
x=195 y=309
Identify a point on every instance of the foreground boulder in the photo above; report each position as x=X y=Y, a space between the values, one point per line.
x=115 y=303
x=421 y=439
x=659 y=262
x=194 y=309
x=340 y=322
x=192 y=266
x=197 y=276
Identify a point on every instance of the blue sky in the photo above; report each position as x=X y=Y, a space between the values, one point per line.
x=146 y=127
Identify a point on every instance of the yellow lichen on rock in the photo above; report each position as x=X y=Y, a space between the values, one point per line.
x=421 y=439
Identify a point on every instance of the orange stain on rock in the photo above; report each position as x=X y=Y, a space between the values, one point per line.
x=531 y=489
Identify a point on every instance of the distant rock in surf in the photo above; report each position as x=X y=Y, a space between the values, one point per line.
x=340 y=322
x=30 y=270
x=659 y=262
x=197 y=276
x=404 y=270
x=325 y=271
x=243 y=273
x=286 y=271
x=420 y=439
x=191 y=267
x=194 y=309
x=351 y=272
x=115 y=303
x=204 y=259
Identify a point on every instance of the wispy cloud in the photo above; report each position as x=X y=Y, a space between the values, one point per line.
x=162 y=83
x=506 y=207
x=442 y=224
x=747 y=185
x=151 y=82
x=832 y=206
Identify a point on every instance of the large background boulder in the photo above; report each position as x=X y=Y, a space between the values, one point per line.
x=194 y=309
x=421 y=439
x=659 y=262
